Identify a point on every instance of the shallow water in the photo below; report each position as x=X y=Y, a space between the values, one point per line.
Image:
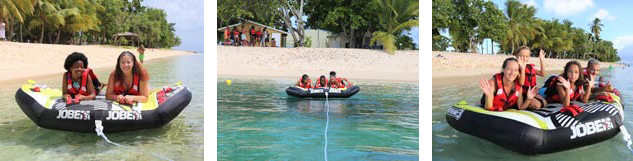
x=257 y=120
x=450 y=144
x=181 y=139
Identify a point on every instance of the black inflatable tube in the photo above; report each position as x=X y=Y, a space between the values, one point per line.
x=320 y=92
x=46 y=118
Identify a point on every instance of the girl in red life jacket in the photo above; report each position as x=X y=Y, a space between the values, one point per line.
x=569 y=86
x=76 y=82
x=340 y=80
x=304 y=82
x=321 y=83
x=528 y=74
x=258 y=37
x=129 y=81
x=503 y=91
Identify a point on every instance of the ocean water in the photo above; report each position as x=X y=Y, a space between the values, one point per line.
x=257 y=120
x=452 y=145
x=181 y=139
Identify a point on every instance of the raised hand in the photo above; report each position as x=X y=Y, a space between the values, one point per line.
x=522 y=62
x=592 y=80
x=532 y=92
x=541 y=54
x=562 y=81
x=486 y=87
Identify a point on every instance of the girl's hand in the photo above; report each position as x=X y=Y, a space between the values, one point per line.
x=532 y=92
x=486 y=87
x=67 y=97
x=522 y=63
x=592 y=80
x=128 y=100
x=541 y=54
x=562 y=81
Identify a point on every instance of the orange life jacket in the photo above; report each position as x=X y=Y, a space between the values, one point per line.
x=83 y=88
x=119 y=89
x=501 y=101
x=318 y=84
x=306 y=85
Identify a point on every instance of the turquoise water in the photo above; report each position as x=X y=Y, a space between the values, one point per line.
x=450 y=144
x=181 y=139
x=257 y=120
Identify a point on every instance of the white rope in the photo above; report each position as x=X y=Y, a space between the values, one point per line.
x=99 y=130
x=627 y=138
x=327 y=123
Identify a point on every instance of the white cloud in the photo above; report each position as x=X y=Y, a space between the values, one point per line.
x=622 y=42
x=189 y=18
x=567 y=7
x=602 y=15
x=530 y=3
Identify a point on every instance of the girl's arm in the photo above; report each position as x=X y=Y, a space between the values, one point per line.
x=110 y=90
x=144 y=93
x=65 y=94
x=541 y=56
x=563 y=94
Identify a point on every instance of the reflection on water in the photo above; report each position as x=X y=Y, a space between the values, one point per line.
x=258 y=121
x=450 y=144
x=181 y=139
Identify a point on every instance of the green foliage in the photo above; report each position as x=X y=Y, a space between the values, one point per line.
x=308 y=41
x=396 y=16
x=470 y=21
x=94 y=21
x=405 y=42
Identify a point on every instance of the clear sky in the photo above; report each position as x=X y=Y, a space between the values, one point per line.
x=189 y=18
x=615 y=15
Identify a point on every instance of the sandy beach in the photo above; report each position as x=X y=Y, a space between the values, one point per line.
x=22 y=61
x=455 y=67
x=354 y=64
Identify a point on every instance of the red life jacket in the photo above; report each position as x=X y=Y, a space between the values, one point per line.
x=530 y=76
x=501 y=101
x=340 y=83
x=119 y=89
x=259 y=33
x=318 y=84
x=554 y=97
x=83 y=88
x=306 y=85
x=252 y=31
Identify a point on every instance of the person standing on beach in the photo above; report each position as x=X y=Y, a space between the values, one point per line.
x=253 y=36
x=528 y=73
x=141 y=53
x=129 y=81
x=265 y=38
x=2 y=36
x=236 y=36
x=227 y=34
x=244 y=37
x=79 y=82
x=258 y=35
x=503 y=91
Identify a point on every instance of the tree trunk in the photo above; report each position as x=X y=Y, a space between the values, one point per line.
x=42 y=34
x=59 y=32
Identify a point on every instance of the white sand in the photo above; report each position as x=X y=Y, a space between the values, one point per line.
x=353 y=64
x=22 y=61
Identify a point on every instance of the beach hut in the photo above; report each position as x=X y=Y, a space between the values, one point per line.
x=128 y=35
x=278 y=35
x=317 y=36
x=340 y=40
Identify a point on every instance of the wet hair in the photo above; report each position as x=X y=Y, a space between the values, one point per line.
x=517 y=51
x=505 y=62
x=322 y=77
x=333 y=73
x=74 y=57
x=592 y=62
x=304 y=77
x=580 y=80
x=137 y=69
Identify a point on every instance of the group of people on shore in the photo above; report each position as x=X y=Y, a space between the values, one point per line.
x=322 y=82
x=255 y=37
x=128 y=82
x=516 y=87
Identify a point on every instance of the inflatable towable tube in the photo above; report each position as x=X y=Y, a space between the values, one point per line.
x=320 y=92
x=546 y=130
x=45 y=107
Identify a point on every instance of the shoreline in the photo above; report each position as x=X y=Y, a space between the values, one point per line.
x=46 y=60
x=353 y=64
x=455 y=67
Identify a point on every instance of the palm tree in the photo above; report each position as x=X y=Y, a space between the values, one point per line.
x=81 y=16
x=396 y=16
x=522 y=25
x=12 y=11
x=596 y=28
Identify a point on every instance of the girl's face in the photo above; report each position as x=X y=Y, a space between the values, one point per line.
x=126 y=64
x=524 y=55
x=322 y=79
x=77 y=68
x=593 y=69
x=511 y=71
x=573 y=73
